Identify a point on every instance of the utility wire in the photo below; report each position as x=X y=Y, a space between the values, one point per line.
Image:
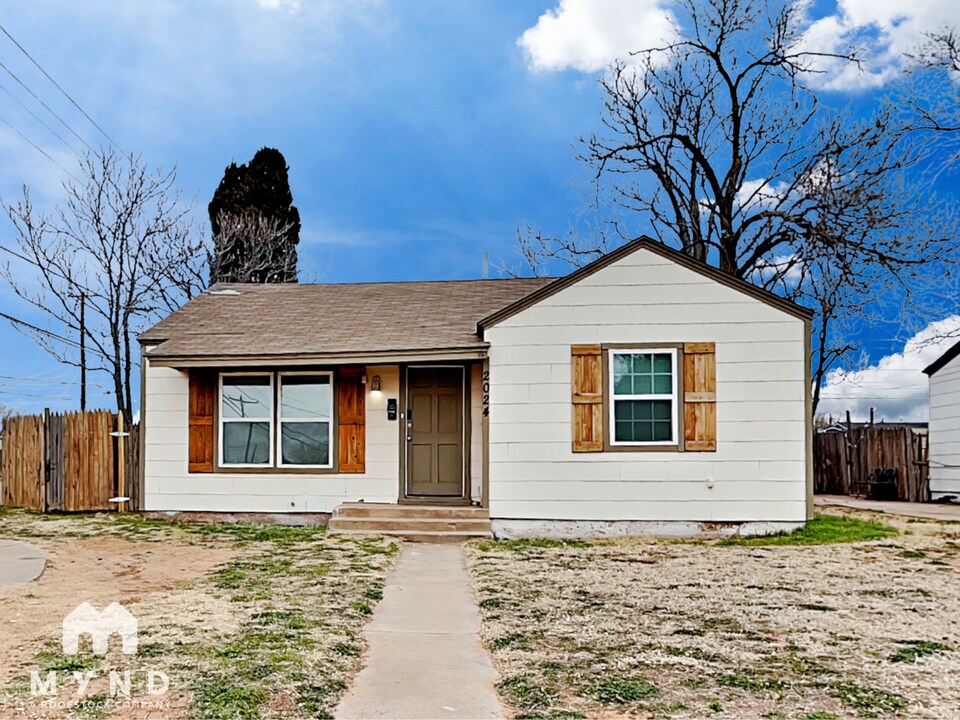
x=49 y=109
x=57 y=85
x=40 y=149
x=49 y=333
x=39 y=120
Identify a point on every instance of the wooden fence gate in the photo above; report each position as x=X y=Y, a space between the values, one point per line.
x=67 y=462
x=843 y=460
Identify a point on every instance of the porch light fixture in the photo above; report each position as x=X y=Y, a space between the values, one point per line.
x=375 y=385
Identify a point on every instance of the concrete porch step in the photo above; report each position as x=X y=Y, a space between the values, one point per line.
x=384 y=510
x=418 y=524
x=424 y=523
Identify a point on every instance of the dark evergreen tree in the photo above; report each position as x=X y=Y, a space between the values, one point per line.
x=256 y=227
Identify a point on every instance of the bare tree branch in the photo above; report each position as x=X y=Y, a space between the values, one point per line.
x=715 y=145
x=121 y=243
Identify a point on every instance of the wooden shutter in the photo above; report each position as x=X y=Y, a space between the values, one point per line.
x=700 y=397
x=203 y=398
x=586 y=363
x=351 y=419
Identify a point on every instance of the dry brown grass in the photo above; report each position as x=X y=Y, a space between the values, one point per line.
x=692 y=630
x=247 y=621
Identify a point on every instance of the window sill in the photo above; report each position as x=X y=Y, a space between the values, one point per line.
x=608 y=448
x=220 y=470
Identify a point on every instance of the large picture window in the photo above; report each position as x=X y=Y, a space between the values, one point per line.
x=246 y=420
x=294 y=434
x=643 y=397
x=306 y=412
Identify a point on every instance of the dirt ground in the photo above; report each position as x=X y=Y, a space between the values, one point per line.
x=643 y=629
x=243 y=621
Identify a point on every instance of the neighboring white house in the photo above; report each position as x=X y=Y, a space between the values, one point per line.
x=642 y=393
x=944 y=427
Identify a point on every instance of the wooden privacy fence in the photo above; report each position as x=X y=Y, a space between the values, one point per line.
x=67 y=462
x=844 y=460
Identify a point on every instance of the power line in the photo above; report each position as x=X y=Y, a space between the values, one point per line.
x=39 y=149
x=39 y=120
x=49 y=333
x=57 y=85
x=42 y=397
x=49 y=109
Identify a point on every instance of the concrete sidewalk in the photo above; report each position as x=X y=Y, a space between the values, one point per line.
x=927 y=511
x=424 y=657
x=19 y=564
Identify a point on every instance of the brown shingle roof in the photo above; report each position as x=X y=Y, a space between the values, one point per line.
x=239 y=320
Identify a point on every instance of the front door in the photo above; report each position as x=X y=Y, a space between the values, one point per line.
x=435 y=432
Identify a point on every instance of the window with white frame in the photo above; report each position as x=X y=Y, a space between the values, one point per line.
x=306 y=412
x=246 y=420
x=643 y=397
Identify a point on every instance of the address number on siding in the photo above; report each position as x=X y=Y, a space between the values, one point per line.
x=486 y=393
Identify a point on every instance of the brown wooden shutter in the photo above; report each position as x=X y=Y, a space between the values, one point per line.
x=203 y=398
x=586 y=363
x=700 y=397
x=351 y=420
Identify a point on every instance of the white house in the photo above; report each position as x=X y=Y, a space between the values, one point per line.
x=944 y=427
x=644 y=392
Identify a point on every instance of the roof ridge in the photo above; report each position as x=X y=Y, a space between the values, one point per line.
x=382 y=282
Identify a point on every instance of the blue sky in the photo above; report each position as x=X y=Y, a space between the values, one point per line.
x=419 y=134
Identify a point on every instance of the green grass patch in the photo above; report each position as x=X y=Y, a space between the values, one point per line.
x=510 y=640
x=748 y=681
x=913 y=650
x=526 y=694
x=528 y=544
x=822 y=530
x=620 y=691
x=868 y=702
x=222 y=697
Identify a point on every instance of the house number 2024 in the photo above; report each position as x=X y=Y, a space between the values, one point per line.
x=486 y=393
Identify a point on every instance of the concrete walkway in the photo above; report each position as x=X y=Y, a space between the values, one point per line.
x=425 y=659
x=19 y=564
x=928 y=511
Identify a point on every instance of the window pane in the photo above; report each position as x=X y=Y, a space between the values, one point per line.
x=305 y=396
x=303 y=443
x=642 y=385
x=661 y=364
x=661 y=431
x=642 y=374
x=621 y=375
x=643 y=421
x=641 y=363
x=246 y=397
x=246 y=443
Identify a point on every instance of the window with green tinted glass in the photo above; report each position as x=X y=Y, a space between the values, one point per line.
x=643 y=397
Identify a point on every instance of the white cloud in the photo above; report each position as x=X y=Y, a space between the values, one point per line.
x=886 y=30
x=292 y=5
x=588 y=35
x=788 y=269
x=896 y=385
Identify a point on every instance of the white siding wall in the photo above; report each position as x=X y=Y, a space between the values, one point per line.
x=758 y=471
x=168 y=485
x=945 y=430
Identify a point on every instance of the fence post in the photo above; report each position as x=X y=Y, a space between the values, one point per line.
x=45 y=454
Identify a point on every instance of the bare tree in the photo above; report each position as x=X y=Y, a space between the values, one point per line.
x=717 y=145
x=118 y=252
x=254 y=246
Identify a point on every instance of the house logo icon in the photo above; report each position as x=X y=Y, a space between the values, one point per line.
x=87 y=620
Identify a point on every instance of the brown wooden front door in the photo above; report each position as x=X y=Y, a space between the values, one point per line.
x=435 y=432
